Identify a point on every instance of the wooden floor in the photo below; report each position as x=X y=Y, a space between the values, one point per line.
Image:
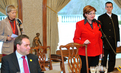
x=56 y=66
x=116 y=71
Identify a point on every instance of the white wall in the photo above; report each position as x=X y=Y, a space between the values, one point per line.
x=1 y=43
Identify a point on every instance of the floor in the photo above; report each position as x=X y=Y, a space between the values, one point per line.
x=56 y=68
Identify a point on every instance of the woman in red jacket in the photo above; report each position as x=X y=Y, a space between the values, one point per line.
x=87 y=32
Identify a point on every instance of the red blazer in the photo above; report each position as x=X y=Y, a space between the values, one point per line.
x=84 y=32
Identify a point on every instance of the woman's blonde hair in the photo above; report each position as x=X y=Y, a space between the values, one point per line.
x=9 y=8
x=87 y=9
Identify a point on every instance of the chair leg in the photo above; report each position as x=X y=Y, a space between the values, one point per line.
x=61 y=65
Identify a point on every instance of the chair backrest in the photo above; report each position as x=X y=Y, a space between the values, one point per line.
x=0 y=57
x=74 y=61
x=43 y=56
x=118 y=49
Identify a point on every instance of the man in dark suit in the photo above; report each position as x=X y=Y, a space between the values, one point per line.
x=110 y=28
x=14 y=63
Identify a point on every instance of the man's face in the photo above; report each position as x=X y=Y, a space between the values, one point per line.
x=109 y=8
x=24 y=48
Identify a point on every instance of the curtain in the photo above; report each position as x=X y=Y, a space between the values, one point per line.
x=4 y=3
x=118 y=2
x=53 y=7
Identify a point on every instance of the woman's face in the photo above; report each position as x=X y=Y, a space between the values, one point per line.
x=12 y=14
x=90 y=16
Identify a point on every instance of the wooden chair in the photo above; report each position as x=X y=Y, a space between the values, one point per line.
x=0 y=57
x=43 y=56
x=118 y=49
x=74 y=61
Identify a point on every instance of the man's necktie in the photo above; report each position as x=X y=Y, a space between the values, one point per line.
x=26 y=69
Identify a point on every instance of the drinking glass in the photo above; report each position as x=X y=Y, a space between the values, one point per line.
x=102 y=69
x=92 y=69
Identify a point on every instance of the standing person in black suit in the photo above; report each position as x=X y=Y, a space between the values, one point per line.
x=14 y=63
x=110 y=28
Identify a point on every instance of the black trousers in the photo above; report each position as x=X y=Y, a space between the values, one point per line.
x=92 y=61
x=111 y=60
x=112 y=56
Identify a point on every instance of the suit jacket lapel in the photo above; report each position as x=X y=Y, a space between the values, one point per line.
x=15 y=61
x=8 y=25
x=108 y=15
x=30 y=63
x=17 y=25
x=88 y=26
x=95 y=25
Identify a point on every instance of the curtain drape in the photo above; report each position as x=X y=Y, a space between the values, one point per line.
x=118 y=2
x=53 y=6
x=4 y=3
